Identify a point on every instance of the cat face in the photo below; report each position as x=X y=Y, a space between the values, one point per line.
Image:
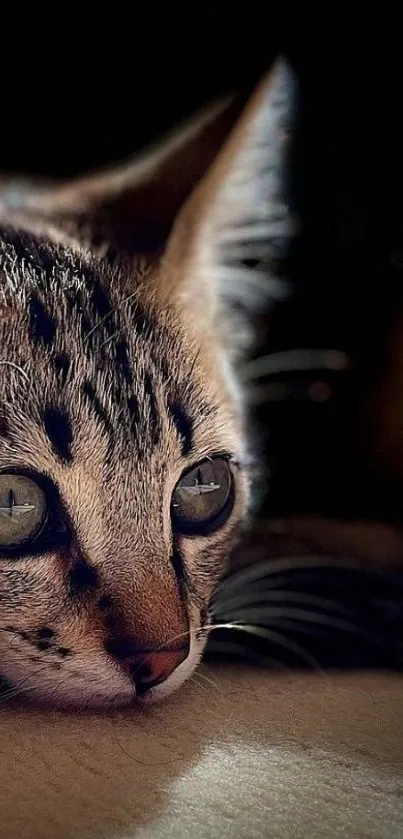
x=113 y=411
x=123 y=461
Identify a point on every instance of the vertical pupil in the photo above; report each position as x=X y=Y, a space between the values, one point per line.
x=11 y=502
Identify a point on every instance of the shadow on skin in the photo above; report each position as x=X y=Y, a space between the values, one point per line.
x=229 y=744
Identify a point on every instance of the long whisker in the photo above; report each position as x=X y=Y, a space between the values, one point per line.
x=304 y=628
x=230 y=647
x=112 y=337
x=21 y=688
x=271 y=635
x=317 y=391
x=268 y=568
x=255 y=616
x=196 y=681
x=250 y=598
x=291 y=361
x=18 y=368
x=209 y=681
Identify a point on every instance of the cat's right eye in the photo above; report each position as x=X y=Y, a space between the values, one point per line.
x=203 y=497
x=23 y=510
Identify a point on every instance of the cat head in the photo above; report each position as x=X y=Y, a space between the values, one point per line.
x=124 y=474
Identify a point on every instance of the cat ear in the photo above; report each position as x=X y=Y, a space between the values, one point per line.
x=209 y=206
x=235 y=228
x=130 y=210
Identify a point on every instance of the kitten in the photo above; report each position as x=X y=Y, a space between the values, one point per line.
x=124 y=460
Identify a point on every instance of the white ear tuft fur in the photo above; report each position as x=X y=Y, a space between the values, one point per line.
x=245 y=223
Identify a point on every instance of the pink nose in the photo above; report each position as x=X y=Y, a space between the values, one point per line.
x=155 y=668
x=146 y=669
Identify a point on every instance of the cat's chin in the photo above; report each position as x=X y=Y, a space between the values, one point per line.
x=93 y=704
x=73 y=704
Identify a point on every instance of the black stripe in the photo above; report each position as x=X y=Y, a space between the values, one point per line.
x=86 y=327
x=75 y=305
x=62 y=366
x=105 y=319
x=147 y=327
x=154 y=417
x=58 y=428
x=134 y=410
x=41 y=324
x=184 y=427
x=97 y=407
x=44 y=633
x=182 y=576
x=122 y=360
x=100 y=299
x=4 y=430
x=143 y=322
x=177 y=564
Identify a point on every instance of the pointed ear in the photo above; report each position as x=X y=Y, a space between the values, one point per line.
x=131 y=209
x=237 y=224
x=209 y=207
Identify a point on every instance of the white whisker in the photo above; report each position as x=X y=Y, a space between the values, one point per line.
x=255 y=616
x=269 y=568
x=270 y=635
x=249 y=598
x=292 y=361
x=18 y=368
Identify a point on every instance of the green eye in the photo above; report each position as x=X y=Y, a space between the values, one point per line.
x=203 y=498
x=23 y=510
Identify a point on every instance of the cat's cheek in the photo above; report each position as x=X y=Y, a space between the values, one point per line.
x=87 y=684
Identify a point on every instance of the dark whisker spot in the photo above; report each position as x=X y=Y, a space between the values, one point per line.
x=183 y=425
x=104 y=602
x=82 y=579
x=63 y=651
x=45 y=632
x=43 y=645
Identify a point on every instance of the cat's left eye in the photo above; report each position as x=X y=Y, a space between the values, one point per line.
x=23 y=510
x=203 y=497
